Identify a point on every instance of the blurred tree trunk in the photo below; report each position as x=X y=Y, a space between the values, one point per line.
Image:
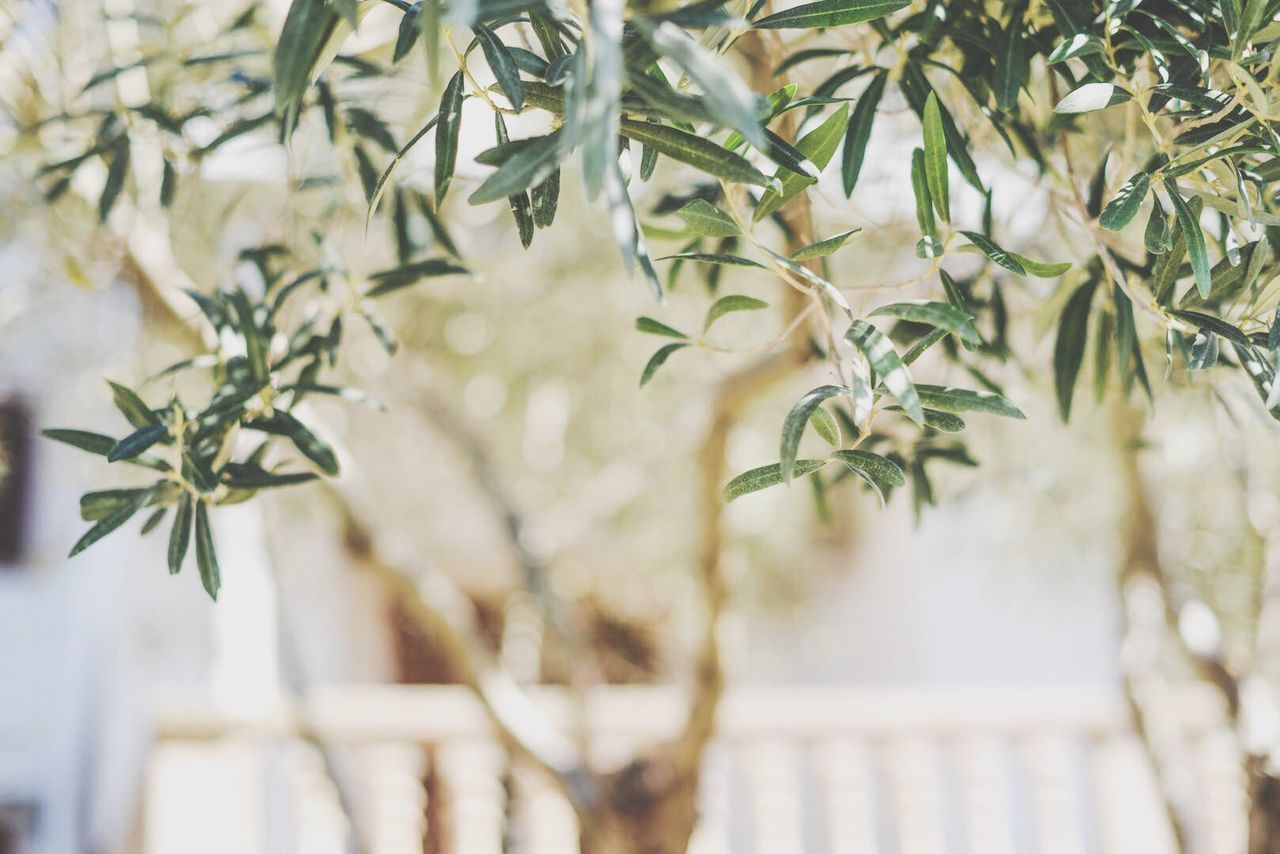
x=1143 y=562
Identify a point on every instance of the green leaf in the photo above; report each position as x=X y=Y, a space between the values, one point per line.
x=1081 y=44
x=830 y=13
x=112 y=521
x=94 y=443
x=706 y=219
x=1189 y=222
x=153 y=521
x=807 y=275
x=307 y=29
x=698 y=152
x=386 y=281
x=408 y=33
x=1204 y=351
x=939 y=314
x=1121 y=210
x=924 y=204
x=379 y=188
x=859 y=132
x=1040 y=269
x=545 y=198
x=117 y=171
x=824 y=247
x=502 y=65
x=794 y=425
x=137 y=442
x=206 y=554
x=935 y=158
x=1090 y=97
x=1011 y=64
x=283 y=423
x=946 y=399
x=943 y=422
x=819 y=145
x=881 y=469
x=884 y=360
x=521 y=209
x=826 y=426
x=765 y=477
x=653 y=327
x=131 y=406
x=731 y=303
x=1068 y=349
x=713 y=258
x=526 y=163
x=180 y=533
x=1156 y=236
x=101 y=504
x=447 y=129
x=995 y=253
x=657 y=360
x=1213 y=324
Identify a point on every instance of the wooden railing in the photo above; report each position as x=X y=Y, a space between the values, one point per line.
x=859 y=770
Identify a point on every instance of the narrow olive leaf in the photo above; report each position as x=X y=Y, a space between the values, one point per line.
x=627 y=233
x=101 y=504
x=180 y=533
x=1121 y=210
x=131 y=406
x=502 y=64
x=112 y=521
x=386 y=281
x=946 y=399
x=819 y=145
x=794 y=424
x=1011 y=64
x=1090 y=97
x=924 y=205
x=698 y=152
x=1168 y=266
x=137 y=442
x=1040 y=269
x=881 y=469
x=531 y=162
x=94 y=443
x=712 y=258
x=153 y=521
x=1214 y=324
x=657 y=360
x=307 y=29
x=944 y=422
x=1189 y=222
x=379 y=188
x=1080 y=44
x=117 y=171
x=765 y=477
x=832 y=292
x=447 y=129
x=1156 y=236
x=729 y=304
x=706 y=219
x=408 y=34
x=1263 y=376
x=826 y=426
x=521 y=209
x=1273 y=337
x=206 y=554
x=545 y=198
x=935 y=158
x=654 y=327
x=830 y=13
x=1204 y=351
x=824 y=247
x=168 y=184
x=995 y=253
x=788 y=156
x=939 y=314
x=1068 y=349
x=858 y=132
x=884 y=360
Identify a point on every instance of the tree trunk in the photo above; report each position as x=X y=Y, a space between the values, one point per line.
x=1264 y=808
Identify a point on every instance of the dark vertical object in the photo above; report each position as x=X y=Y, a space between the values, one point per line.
x=15 y=480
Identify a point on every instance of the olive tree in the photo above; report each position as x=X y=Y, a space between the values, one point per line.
x=1148 y=124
